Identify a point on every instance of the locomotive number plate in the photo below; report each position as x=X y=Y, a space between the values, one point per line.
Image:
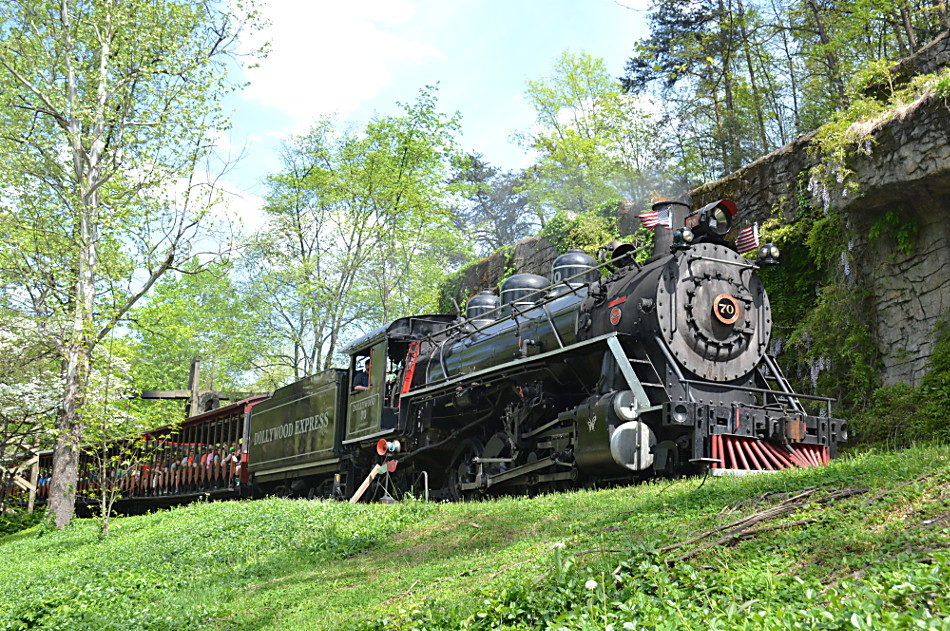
x=615 y=315
x=726 y=309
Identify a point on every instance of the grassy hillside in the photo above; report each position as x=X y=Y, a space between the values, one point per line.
x=861 y=544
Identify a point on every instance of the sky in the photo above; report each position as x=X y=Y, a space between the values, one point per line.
x=354 y=58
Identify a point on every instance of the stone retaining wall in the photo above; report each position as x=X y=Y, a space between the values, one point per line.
x=907 y=171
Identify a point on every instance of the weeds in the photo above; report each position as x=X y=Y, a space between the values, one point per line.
x=860 y=544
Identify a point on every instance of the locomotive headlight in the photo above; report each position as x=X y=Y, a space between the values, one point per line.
x=842 y=432
x=768 y=255
x=719 y=221
x=712 y=220
x=687 y=235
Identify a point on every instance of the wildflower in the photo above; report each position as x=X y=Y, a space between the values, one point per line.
x=591 y=584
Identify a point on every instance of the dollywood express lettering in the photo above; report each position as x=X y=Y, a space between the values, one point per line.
x=294 y=428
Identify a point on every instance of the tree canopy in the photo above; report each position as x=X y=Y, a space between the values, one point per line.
x=358 y=231
x=741 y=78
x=108 y=118
x=594 y=143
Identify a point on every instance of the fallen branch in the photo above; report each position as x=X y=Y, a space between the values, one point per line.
x=785 y=507
x=508 y=567
x=744 y=528
x=738 y=536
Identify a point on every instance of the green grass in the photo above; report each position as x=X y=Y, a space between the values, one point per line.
x=615 y=558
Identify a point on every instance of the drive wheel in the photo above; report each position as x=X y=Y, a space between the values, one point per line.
x=463 y=471
x=282 y=491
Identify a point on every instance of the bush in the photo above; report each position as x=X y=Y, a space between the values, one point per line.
x=901 y=414
x=18 y=520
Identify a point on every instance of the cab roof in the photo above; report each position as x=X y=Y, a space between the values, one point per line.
x=402 y=330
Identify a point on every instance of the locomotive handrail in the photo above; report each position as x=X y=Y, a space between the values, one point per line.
x=557 y=334
x=783 y=383
x=724 y=262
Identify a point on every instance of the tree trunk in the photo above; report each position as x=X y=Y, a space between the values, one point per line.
x=895 y=21
x=834 y=67
x=723 y=147
x=908 y=26
x=793 y=82
x=81 y=339
x=746 y=46
x=942 y=11
x=62 y=495
x=730 y=118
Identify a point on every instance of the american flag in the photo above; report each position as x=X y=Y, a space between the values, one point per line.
x=654 y=218
x=748 y=238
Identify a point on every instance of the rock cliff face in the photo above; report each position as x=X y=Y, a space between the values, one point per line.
x=905 y=172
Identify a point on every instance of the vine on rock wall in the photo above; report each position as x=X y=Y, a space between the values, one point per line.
x=900 y=414
x=587 y=231
x=822 y=323
x=823 y=318
x=453 y=289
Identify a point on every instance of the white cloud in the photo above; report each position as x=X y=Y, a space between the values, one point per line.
x=330 y=56
x=242 y=209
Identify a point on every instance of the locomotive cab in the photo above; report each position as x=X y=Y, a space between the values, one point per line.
x=370 y=408
x=382 y=368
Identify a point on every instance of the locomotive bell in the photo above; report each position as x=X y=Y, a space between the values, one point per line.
x=618 y=254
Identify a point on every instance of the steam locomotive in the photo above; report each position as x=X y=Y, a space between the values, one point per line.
x=608 y=373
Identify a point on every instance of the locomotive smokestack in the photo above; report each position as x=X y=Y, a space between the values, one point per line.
x=663 y=238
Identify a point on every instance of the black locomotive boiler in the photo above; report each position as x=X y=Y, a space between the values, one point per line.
x=649 y=368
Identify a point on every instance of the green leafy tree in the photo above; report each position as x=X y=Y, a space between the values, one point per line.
x=358 y=231
x=594 y=143
x=415 y=240
x=496 y=211
x=201 y=312
x=693 y=52
x=108 y=114
x=739 y=78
